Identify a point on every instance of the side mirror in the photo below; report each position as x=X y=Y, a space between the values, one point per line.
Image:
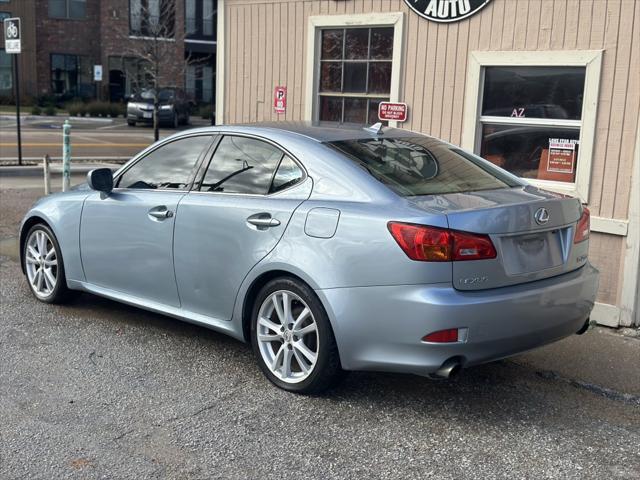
x=101 y=180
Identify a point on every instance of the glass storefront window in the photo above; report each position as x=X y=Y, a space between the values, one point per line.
x=354 y=73
x=69 y=9
x=6 y=74
x=531 y=120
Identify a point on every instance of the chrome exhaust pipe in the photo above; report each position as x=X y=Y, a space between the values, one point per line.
x=449 y=369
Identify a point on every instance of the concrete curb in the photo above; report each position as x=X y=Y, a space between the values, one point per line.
x=45 y=118
x=55 y=169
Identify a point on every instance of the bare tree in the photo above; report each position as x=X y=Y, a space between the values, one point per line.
x=153 y=49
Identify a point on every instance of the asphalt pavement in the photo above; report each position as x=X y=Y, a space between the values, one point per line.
x=96 y=139
x=96 y=389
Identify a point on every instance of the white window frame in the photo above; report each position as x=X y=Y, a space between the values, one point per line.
x=472 y=121
x=369 y=20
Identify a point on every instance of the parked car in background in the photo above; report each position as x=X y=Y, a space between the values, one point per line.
x=329 y=249
x=174 y=107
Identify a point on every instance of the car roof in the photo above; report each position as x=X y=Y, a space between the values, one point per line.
x=320 y=132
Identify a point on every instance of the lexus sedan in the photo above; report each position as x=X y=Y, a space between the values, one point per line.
x=328 y=249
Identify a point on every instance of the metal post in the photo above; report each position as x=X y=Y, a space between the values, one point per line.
x=47 y=179
x=17 y=81
x=66 y=156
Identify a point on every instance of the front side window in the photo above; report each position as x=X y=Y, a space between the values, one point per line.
x=242 y=165
x=354 y=73
x=531 y=120
x=167 y=167
x=152 y=18
x=423 y=166
x=73 y=9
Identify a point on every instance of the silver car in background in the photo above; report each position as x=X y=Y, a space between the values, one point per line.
x=329 y=249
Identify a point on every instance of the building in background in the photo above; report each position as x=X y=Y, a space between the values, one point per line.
x=548 y=89
x=66 y=38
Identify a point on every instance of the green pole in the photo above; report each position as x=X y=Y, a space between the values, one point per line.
x=66 y=156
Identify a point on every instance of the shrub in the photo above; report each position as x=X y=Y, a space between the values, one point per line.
x=76 y=109
x=116 y=109
x=50 y=110
x=98 y=109
x=206 y=112
x=36 y=110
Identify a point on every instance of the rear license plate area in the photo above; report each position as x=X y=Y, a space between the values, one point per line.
x=533 y=252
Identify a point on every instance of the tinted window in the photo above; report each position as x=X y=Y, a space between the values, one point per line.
x=534 y=92
x=241 y=165
x=423 y=166
x=287 y=175
x=167 y=167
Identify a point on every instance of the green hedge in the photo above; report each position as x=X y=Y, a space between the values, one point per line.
x=96 y=109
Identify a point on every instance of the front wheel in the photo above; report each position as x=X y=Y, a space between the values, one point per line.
x=292 y=338
x=43 y=265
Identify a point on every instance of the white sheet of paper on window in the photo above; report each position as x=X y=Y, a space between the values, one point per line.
x=562 y=155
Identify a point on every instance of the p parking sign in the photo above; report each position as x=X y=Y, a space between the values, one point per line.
x=12 y=42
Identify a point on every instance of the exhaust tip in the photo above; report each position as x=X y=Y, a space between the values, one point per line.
x=449 y=369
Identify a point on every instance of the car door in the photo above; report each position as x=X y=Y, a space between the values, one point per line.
x=233 y=219
x=126 y=238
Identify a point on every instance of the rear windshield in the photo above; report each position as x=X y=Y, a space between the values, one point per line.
x=423 y=166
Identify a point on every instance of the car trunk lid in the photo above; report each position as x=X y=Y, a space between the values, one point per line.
x=531 y=229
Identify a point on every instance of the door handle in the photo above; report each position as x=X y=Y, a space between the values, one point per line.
x=160 y=213
x=263 y=220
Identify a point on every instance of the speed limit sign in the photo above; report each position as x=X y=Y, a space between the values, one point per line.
x=12 y=35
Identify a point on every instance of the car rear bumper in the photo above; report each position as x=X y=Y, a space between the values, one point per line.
x=138 y=117
x=380 y=328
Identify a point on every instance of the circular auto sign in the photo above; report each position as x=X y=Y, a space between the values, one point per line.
x=446 y=10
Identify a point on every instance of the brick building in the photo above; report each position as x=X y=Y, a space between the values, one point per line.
x=64 y=39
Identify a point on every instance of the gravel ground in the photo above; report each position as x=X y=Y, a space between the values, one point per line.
x=95 y=389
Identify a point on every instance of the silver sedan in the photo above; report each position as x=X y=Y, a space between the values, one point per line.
x=328 y=249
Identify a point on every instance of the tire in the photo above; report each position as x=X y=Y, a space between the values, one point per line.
x=316 y=338
x=131 y=123
x=59 y=293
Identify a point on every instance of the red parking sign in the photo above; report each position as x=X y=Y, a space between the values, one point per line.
x=392 y=111
x=280 y=99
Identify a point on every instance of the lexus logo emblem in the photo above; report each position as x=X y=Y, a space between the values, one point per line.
x=541 y=216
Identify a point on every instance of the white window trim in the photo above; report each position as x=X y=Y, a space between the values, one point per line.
x=315 y=23
x=590 y=59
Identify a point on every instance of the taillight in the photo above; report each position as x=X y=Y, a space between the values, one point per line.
x=435 y=244
x=583 y=227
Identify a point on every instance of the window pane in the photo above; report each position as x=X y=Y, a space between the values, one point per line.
x=423 y=166
x=356 y=44
x=381 y=43
x=241 y=165
x=331 y=44
x=330 y=76
x=169 y=166
x=545 y=153
x=330 y=109
x=373 y=111
x=355 y=110
x=534 y=92
x=355 y=77
x=77 y=8
x=380 y=77
x=288 y=174
x=57 y=8
x=6 y=73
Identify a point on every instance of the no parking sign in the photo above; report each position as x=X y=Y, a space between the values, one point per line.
x=280 y=99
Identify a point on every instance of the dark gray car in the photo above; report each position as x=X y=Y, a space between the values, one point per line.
x=174 y=107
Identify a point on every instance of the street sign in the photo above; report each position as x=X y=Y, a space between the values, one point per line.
x=280 y=99
x=97 y=73
x=392 y=111
x=12 y=42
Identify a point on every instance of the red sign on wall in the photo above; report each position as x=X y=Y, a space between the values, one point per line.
x=280 y=99
x=392 y=111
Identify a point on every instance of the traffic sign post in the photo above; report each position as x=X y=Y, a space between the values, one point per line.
x=13 y=45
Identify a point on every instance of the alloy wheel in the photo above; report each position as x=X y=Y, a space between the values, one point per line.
x=287 y=335
x=41 y=261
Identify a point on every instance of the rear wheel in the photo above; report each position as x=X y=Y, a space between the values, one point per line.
x=44 y=266
x=131 y=123
x=292 y=338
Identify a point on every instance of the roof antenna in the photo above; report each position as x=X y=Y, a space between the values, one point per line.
x=376 y=128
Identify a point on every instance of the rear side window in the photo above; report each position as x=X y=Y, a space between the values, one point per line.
x=242 y=165
x=167 y=167
x=423 y=166
x=287 y=175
